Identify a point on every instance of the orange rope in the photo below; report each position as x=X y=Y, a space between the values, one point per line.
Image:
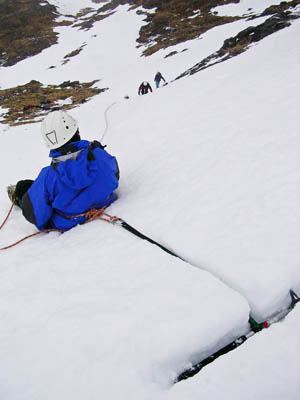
x=9 y=212
x=29 y=236
x=91 y=215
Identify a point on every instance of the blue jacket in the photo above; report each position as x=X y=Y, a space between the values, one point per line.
x=83 y=177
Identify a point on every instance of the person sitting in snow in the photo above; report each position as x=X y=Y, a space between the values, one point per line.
x=82 y=176
x=158 y=77
x=144 y=88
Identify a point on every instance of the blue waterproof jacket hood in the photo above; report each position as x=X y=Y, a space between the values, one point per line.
x=82 y=177
x=76 y=173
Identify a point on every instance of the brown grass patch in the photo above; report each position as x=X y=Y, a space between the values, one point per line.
x=26 y=103
x=26 y=28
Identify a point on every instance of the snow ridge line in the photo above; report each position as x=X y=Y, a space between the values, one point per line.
x=255 y=326
x=253 y=323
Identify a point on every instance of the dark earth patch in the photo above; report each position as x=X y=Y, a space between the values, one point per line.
x=26 y=28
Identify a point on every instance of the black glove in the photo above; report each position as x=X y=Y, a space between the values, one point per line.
x=95 y=144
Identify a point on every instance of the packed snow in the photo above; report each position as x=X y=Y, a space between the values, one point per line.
x=245 y=7
x=67 y=7
x=210 y=169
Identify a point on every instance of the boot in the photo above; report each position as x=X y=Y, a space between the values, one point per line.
x=11 y=192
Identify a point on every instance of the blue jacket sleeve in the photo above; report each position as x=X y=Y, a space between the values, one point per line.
x=36 y=204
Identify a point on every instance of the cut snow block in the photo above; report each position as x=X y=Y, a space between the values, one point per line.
x=116 y=317
x=249 y=372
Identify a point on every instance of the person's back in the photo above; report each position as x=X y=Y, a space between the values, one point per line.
x=158 y=77
x=82 y=176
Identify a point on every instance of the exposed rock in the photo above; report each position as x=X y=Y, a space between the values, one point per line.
x=171 y=54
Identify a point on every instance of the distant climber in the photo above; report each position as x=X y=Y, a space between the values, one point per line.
x=158 y=77
x=144 y=88
x=82 y=176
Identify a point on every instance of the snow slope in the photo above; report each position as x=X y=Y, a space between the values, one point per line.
x=245 y=7
x=236 y=213
x=209 y=168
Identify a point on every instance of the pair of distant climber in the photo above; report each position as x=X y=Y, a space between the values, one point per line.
x=145 y=86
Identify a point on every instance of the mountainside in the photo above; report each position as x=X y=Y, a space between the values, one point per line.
x=210 y=170
x=27 y=27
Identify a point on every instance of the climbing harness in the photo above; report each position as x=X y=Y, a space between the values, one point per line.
x=92 y=215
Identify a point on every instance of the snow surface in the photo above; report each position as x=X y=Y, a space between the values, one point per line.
x=72 y=7
x=210 y=169
x=245 y=7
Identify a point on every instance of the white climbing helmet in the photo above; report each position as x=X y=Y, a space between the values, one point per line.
x=58 y=128
x=145 y=83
